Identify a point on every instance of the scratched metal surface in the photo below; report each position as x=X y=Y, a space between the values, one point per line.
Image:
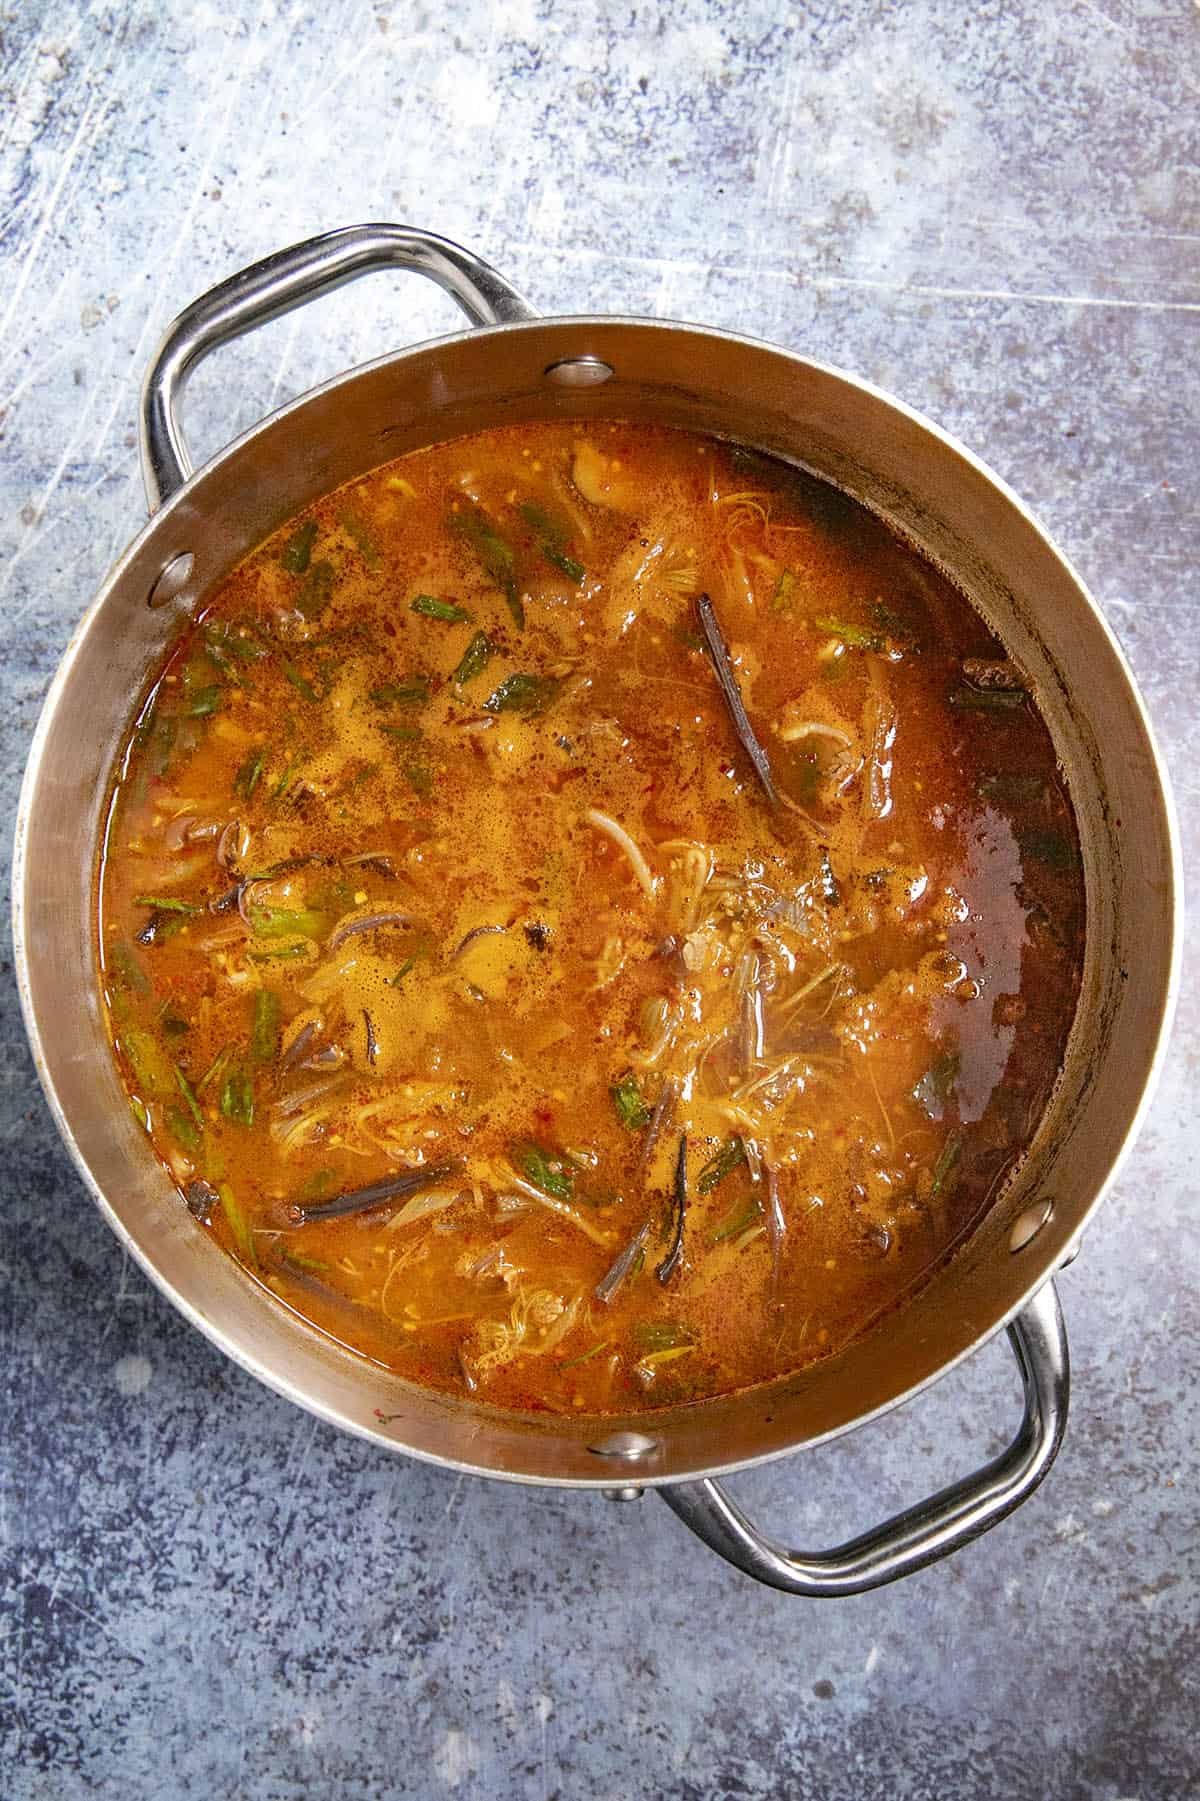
x=994 y=211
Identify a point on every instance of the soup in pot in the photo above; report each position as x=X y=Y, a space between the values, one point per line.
x=589 y=918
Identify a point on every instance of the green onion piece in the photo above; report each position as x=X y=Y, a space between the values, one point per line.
x=784 y=598
x=891 y=622
x=239 y=1226
x=230 y=643
x=319 y=1183
x=661 y=1335
x=854 y=635
x=315 y=1266
x=165 y=728
x=419 y=778
x=546 y=1169
x=987 y=700
x=1050 y=848
x=946 y=1169
x=237 y=1097
x=360 y=534
x=395 y=981
x=203 y=701
x=264 y=1032
x=140 y=1112
x=808 y=776
x=189 y=1095
x=297 y=552
x=215 y=1067
x=430 y=607
x=551 y=536
x=124 y=965
x=300 y=682
x=282 y=785
x=522 y=693
x=162 y=904
x=632 y=1110
x=573 y=571
x=736 y=1222
x=586 y=1356
x=474 y=658
x=317 y=591
x=183 y=1130
x=214 y=650
x=153 y=1072
x=284 y=922
x=248 y=776
x=726 y=1160
x=689 y=640
x=934 y=1089
x=412 y=692
x=493 y=552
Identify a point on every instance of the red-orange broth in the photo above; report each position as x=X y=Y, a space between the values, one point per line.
x=440 y=904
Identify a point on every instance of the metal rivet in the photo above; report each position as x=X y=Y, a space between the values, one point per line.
x=625 y=1444
x=579 y=372
x=1027 y=1226
x=624 y=1494
x=173 y=578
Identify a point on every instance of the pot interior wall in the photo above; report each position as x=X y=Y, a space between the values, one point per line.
x=879 y=452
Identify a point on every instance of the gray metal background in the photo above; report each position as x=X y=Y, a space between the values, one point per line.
x=993 y=210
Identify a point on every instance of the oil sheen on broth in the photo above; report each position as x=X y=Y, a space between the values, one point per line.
x=472 y=990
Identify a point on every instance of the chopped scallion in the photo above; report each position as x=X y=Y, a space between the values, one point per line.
x=661 y=1335
x=946 y=1169
x=551 y=537
x=203 y=701
x=856 y=636
x=317 y=591
x=183 y=1130
x=164 y=904
x=547 y=1170
x=933 y=1091
x=632 y=1110
x=474 y=658
x=494 y=553
x=522 y=692
x=287 y=922
x=412 y=692
x=264 y=1032
x=784 y=597
x=297 y=552
x=726 y=1160
x=430 y=607
x=189 y=1095
x=237 y=1097
x=248 y=776
x=239 y=1226
x=300 y=682
x=361 y=536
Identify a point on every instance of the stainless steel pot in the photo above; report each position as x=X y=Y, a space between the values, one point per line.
x=514 y=367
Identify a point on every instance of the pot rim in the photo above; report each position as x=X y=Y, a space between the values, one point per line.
x=606 y=1477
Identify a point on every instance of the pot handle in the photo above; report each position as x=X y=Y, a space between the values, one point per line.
x=932 y=1528
x=276 y=285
